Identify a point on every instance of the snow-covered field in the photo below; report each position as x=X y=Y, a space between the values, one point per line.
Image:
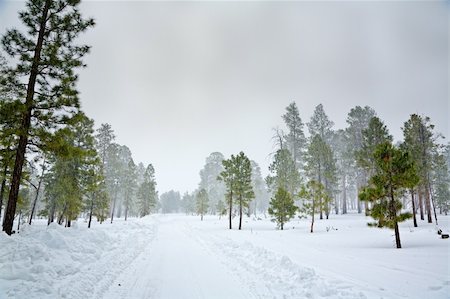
x=177 y=256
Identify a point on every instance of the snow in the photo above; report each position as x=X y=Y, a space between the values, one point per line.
x=177 y=256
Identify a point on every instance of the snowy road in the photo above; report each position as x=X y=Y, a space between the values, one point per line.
x=175 y=266
x=183 y=261
x=178 y=256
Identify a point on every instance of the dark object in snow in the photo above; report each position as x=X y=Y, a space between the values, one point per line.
x=444 y=236
x=439 y=231
x=119 y=284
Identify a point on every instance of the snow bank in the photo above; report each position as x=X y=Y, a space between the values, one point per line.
x=76 y=262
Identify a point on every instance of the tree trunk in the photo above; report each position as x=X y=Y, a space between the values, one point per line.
x=2 y=189
x=397 y=236
x=433 y=203
x=414 y=208
x=281 y=225
x=18 y=222
x=230 y=206
x=126 y=212
x=113 y=206
x=419 y=193
x=91 y=208
x=344 y=195
x=68 y=222
x=240 y=213
x=312 y=216
x=51 y=216
x=25 y=127
x=428 y=204
x=37 y=193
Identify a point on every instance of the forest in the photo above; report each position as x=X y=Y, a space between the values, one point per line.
x=322 y=217
x=56 y=163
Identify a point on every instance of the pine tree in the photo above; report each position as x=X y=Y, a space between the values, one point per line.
x=358 y=120
x=202 y=203
x=441 y=183
x=321 y=125
x=208 y=179
x=345 y=167
x=321 y=167
x=419 y=142
x=46 y=57
x=129 y=185
x=395 y=174
x=295 y=139
x=314 y=198
x=282 y=207
x=284 y=173
x=147 y=194
x=261 y=201
x=237 y=176
x=375 y=134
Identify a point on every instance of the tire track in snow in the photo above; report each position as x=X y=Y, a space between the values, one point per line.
x=269 y=275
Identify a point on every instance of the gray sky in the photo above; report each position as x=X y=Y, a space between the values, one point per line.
x=179 y=80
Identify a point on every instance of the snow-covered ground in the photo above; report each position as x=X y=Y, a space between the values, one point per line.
x=177 y=256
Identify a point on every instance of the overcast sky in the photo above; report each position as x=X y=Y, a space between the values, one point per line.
x=179 y=80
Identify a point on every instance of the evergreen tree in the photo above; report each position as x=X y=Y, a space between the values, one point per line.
x=129 y=185
x=237 y=176
x=295 y=139
x=419 y=142
x=105 y=137
x=321 y=125
x=96 y=196
x=202 y=203
x=395 y=174
x=72 y=156
x=147 y=194
x=321 y=167
x=358 y=120
x=188 y=203
x=208 y=179
x=261 y=201
x=375 y=134
x=441 y=183
x=314 y=197
x=282 y=207
x=345 y=167
x=284 y=173
x=46 y=57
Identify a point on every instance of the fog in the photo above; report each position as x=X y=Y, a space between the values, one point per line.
x=179 y=80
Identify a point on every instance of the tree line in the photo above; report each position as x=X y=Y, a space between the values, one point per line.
x=358 y=168
x=52 y=161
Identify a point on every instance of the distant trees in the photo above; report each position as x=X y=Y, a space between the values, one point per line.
x=147 y=195
x=208 y=179
x=419 y=142
x=395 y=173
x=321 y=167
x=202 y=203
x=358 y=120
x=170 y=202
